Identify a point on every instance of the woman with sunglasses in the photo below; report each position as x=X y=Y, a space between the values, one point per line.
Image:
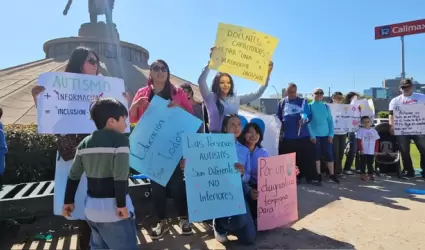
x=352 y=155
x=221 y=100
x=159 y=84
x=321 y=130
x=340 y=139
x=82 y=61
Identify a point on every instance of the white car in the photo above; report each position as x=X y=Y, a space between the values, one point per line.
x=380 y=120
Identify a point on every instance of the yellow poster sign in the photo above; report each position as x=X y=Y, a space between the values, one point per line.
x=243 y=52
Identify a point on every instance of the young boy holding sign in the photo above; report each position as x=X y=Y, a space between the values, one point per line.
x=104 y=157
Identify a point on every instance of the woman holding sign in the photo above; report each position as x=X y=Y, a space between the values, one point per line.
x=82 y=61
x=159 y=84
x=340 y=139
x=221 y=99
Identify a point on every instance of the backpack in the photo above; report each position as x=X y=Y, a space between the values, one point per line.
x=67 y=145
x=280 y=108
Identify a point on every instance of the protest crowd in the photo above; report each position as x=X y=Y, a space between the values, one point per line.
x=97 y=165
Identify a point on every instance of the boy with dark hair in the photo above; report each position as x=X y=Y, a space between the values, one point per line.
x=104 y=157
x=367 y=145
x=3 y=149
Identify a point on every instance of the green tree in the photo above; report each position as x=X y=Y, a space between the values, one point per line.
x=383 y=114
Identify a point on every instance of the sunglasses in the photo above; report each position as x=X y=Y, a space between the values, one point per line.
x=319 y=93
x=406 y=87
x=157 y=68
x=91 y=60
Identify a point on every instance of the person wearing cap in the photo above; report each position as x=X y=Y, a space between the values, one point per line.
x=321 y=129
x=198 y=109
x=408 y=97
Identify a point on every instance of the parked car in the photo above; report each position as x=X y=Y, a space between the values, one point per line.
x=380 y=120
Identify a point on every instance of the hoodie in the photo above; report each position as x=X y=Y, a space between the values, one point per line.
x=257 y=153
x=321 y=124
x=178 y=96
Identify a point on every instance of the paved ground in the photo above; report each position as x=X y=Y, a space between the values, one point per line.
x=352 y=215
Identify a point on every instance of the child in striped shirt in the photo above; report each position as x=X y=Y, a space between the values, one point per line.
x=104 y=157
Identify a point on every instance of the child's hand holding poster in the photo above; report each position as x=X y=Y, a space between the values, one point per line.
x=277 y=191
x=213 y=185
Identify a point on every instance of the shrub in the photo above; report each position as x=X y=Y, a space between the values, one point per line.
x=31 y=156
x=383 y=114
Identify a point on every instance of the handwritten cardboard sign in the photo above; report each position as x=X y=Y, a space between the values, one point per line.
x=409 y=119
x=243 y=52
x=67 y=98
x=277 y=191
x=367 y=107
x=213 y=185
x=156 y=141
x=346 y=117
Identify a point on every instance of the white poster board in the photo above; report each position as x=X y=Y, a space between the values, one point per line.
x=61 y=178
x=64 y=107
x=409 y=119
x=346 y=117
x=272 y=130
x=367 y=107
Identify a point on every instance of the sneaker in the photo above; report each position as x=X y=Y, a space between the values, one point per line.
x=358 y=171
x=159 y=231
x=333 y=178
x=185 y=227
x=363 y=177
x=371 y=177
x=341 y=176
x=222 y=238
x=378 y=172
x=348 y=172
x=315 y=183
x=319 y=178
x=408 y=176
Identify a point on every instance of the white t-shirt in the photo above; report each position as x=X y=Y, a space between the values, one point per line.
x=369 y=138
x=415 y=98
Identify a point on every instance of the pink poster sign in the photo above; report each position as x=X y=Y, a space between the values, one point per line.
x=277 y=191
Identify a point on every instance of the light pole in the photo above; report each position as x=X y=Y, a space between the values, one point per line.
x=275 y=89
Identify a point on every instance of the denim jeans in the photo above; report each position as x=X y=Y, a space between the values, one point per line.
x=404 y=145
x=339 y=146
x=114 y=235
x=242 y=226
x=352 y=154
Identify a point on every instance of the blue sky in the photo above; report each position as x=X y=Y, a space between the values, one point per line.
x=323 y=43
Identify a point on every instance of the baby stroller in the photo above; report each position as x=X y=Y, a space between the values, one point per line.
x=387 y=160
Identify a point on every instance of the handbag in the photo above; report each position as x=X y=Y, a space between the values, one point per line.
x=67 y=145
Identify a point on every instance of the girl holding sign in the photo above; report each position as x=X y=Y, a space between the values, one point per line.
x=221 y=100
x=82 y=61
x=159 y=84
x=251 y=137
x=242 y=226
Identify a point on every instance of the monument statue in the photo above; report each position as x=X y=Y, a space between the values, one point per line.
x=96 y=7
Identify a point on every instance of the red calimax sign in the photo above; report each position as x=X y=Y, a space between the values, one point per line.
x=400 y=29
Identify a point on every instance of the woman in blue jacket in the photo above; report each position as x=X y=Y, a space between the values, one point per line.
x=321 y=130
